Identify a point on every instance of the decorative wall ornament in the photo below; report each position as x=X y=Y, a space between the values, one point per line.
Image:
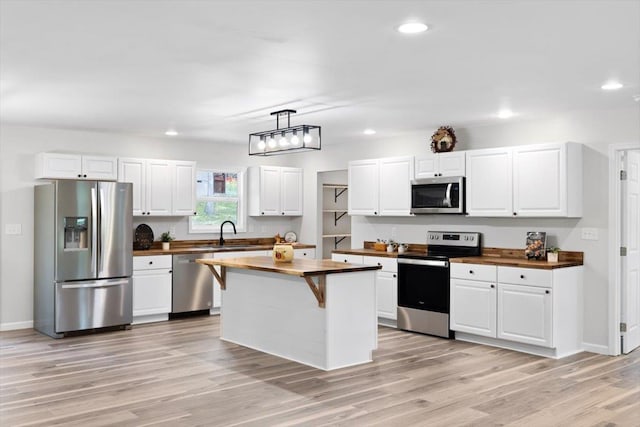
x=443 y=140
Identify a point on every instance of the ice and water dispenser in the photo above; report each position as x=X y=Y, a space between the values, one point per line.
x=76 y=233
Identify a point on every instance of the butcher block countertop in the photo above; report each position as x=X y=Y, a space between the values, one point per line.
x=208 y=246
x=368 y=250
x=302 y=267
x=515 y=258
x=490 y=256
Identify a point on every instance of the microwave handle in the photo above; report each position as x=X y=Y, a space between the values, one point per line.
x=447 y=197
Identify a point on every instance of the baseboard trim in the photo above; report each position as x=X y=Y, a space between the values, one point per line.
x=12 y=326
x=596 y=348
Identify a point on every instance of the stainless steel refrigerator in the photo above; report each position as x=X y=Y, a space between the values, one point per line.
x=83 y=257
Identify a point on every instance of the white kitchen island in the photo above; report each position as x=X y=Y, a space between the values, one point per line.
x=320 y=313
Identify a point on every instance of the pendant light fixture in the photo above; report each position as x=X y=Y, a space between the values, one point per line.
x=292 y=139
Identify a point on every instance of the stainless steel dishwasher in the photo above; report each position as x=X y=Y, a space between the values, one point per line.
x=192 y=284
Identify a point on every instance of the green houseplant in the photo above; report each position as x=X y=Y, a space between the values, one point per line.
x=552 y=254
x=166 y=238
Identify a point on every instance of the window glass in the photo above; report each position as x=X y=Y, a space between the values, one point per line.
x=219 y=198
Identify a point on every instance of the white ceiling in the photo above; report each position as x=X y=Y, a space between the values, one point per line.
x=214 y=70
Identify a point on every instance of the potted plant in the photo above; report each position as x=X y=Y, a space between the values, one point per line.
x=552 y=254
x=166 y=238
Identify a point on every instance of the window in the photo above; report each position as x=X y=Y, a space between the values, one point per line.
x=219 y=197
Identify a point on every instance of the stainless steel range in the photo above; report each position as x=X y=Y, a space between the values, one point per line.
x=423 y=282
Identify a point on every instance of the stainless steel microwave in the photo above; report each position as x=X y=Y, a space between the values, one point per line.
x=438 y=195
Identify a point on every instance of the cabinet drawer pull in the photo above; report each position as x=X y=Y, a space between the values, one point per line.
x=150 y=262
x=522 y=276
x=470 y=271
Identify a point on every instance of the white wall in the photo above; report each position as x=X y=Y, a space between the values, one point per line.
x=18 y=146
x=595 y=129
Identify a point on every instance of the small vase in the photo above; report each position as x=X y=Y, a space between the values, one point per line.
x=552 y=256
x=165 y=246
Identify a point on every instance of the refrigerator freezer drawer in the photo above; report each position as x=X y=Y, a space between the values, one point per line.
x=93 y=304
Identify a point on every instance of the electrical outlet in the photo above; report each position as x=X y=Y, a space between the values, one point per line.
x=589 y=234
x=13 y=229
x=172 y=230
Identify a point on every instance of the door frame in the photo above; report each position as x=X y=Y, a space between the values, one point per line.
x=615 y=261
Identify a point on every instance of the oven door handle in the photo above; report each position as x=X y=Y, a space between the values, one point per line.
x=427 y=262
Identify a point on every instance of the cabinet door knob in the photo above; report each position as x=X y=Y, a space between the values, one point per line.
x=84 y=176
x=395 y=275
x=515 y=213
x=522 y=276
x=282 y=213
x=375 y=213
x=150 y=262
x=547 y=292
x=493 y=286
x=170 y=271
x=380 y=264
x=345 y=260
x=79 y=176
x=470 y=271
x=195 y=213
x=262 y=213
x=304 y=254
x=435 y=174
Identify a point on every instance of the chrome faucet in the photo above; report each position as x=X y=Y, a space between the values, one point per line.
x=222 y=225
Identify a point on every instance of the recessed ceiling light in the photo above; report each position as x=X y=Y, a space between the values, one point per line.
x=505 y=114
x=171 y=132
x=612 y=85
x=412 y=28
x=369 y=132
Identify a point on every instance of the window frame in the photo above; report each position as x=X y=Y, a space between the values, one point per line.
x=241 y=225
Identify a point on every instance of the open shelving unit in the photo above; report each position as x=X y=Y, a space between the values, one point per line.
x=336 y=224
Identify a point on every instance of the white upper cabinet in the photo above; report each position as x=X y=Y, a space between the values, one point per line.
x=184 y=189
x=275 y=191
x=543 y=180
x=380 y=187
x=363 y=187
x=434 y=165
x=547 y=180
x=75 y=166
x=489 y=182
x=291 y=191
x=160 y=187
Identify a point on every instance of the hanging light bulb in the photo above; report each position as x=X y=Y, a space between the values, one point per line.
x=283 y=140
x=272 y=141
x=261 y=144
x=294 y=139
x=307 y=136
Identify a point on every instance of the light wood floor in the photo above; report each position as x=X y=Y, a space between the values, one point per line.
x=180 y=374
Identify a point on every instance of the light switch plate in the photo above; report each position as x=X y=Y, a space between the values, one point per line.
x=589 y=234
x=13 y=229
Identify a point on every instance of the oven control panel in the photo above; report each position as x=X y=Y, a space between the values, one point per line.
x=453 y=239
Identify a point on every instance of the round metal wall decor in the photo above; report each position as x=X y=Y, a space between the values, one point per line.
x=443 y=140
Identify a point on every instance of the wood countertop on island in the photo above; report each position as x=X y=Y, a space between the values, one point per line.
x=298 y=267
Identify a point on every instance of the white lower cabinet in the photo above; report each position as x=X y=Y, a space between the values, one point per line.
x=151 y=288
x=386 y=286
x=473 y=307
x=532 y=310
x=525 y=314
x=304 y=253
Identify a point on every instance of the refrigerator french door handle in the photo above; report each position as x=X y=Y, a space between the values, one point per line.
x=101 y=231
x=95 y=285
x=94 y=231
